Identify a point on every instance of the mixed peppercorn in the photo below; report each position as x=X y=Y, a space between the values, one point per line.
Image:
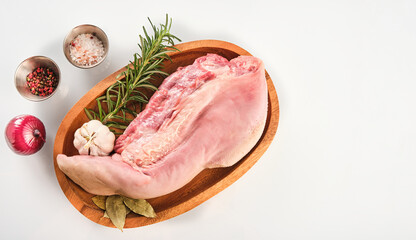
x=42 y=81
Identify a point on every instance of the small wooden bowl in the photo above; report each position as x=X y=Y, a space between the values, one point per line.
x=205 y=185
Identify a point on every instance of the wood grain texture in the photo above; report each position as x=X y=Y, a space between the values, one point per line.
x=205 y=185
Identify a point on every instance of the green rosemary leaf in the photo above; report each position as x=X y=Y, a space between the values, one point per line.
x=119 y=75
x=143 y=46
x=138 y=99
x=155 y=64
x=142 y=80
x=95 y=115
x=119 y=126
x=124 y=114
x=131 y=76
x=119 y=97
x=100 y=110
x=150 y=86
x=122 y=87
x=141 y=94
x=87 y=112
x=158 y=72
x=111 y=122
x=110 y=102
x=161 y=54
x=151 y=24
x=145 y=33
x=112 y=125
x=172 y=49
x=117 y=117
x=102 y=98
x=130 y=111
x=113 y=90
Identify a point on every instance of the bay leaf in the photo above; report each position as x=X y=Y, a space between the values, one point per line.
x=140 y=206
x=99 y=201
x=127 y=212
x=116 y=210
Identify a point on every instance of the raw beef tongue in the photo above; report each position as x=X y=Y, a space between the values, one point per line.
x=174 y=88
x=208 y=114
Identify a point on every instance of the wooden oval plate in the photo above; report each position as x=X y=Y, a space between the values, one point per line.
x=205 y=185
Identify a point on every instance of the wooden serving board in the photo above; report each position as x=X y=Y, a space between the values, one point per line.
x=205 y=185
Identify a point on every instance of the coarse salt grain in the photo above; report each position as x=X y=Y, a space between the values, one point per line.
x=86 y=49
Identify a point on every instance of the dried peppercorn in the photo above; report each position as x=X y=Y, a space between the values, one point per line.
x=42 y=81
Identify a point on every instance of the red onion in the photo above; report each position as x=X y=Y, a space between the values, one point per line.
x=25 y=134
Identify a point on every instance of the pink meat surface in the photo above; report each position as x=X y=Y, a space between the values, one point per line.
x=205 y=115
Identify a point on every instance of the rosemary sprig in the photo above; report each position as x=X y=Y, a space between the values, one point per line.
x=123 y=97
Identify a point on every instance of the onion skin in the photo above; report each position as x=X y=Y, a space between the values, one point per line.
x=25 y=134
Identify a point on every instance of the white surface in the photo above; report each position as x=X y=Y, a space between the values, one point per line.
x=342 y=165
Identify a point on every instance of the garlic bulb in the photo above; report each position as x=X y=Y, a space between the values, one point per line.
x=94 y=138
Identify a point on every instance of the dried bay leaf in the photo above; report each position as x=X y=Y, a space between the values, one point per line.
x=127 y=212
x=99 y=201
x=106 y=215
x=116 y=210
x=140 y=206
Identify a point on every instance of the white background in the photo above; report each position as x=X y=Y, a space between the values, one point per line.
x=342 y=165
